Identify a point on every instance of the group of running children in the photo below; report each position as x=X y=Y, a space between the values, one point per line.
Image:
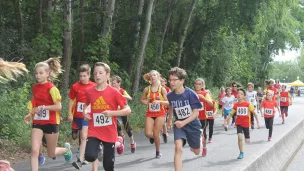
x=99 y=109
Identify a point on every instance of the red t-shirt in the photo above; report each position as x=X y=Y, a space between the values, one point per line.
x=269 y=108
x=167 y=89
x=100 y=127
x=45 y=94
x=221 y=96
x=202 y=111
x=234 y=93
x=284 y=98
x=277 y=86
x=273 y=90
x=243 y=113
x=210 y=110
x=77 y=93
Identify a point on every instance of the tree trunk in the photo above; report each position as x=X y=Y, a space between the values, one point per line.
x=40 y=15
x=82 y=2
x=108 y=18
x=19 y=19
x=170 y=11
x=50 y=6
x=67 y=42
x=182 y=37
x=136 y=36
x=143 y=46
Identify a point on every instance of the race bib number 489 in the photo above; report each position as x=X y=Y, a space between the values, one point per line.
x=242 y=111
x=43 y=115
x=101 y=120
x=183 y=112
x=153 y=107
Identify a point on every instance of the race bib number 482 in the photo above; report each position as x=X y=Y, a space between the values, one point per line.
x=242 y=111
x=43 y=115
x=154 y=107
x=183 y=112
x=209 y=114
x=268 y=111
x=101 y=120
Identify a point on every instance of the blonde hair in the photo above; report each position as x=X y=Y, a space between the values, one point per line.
x=53 y=66
x=85 y=68
x=147 y=76
x=104 y=65
x=11 y=70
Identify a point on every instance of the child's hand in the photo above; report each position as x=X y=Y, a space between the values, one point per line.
x=27 y=118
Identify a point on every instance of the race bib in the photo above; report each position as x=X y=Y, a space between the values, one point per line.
x=101 y=120
x=268 y=111
x=230 y=103
x=80 y=107
x=43 y=115
x=154 y=107
x=283 y=99
x=183 y=112
x=209 y=114
x=201 y=109
x=242 y=111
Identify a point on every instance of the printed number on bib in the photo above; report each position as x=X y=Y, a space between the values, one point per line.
x=201 y=109
x=242 y=111
x=183 y=112
x=230 y=103
x=154 y=107
x=42 y=115
x=101 y=120
x=80 y=107
x=209 y=114
x=268 y=111
x=283 y=99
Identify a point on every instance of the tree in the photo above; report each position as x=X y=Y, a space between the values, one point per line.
x=67 y=42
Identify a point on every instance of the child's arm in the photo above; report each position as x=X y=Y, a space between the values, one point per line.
x=256 y=117
x=125 y=111
x=261 y=109
x=70 y=106
x=279 y=110
x=127 y=96
x=170 y=114
x=181 y=124
x=143 y=98
x=290 y=99
x=229 y=116
x=207 y=99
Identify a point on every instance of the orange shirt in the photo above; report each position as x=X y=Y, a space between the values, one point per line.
x=77 y=93
x=101 y=127
x=273 y=90
x=284 y=98
x=155 y=110
x=242 y=111
x=45 y=94
x=202 y=111
x=269 y=108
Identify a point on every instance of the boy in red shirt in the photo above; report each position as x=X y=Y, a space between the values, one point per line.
x=104 y=102
x=268 y=104
x=242 y=109
x=285 y=101
x=77 y=99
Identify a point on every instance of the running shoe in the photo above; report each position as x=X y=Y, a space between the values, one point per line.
x=269 y=138
x=68 y=155
x=241 y=155
x=158 y=155
x=204 y=153
x=151 y=140
x=133 y=147
x=210 y=140
x=121 y=148
x=41 y=159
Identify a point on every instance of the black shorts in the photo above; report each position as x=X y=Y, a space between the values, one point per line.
x=48 y=128
x=220 y=106
x=241 y=129
x=284 y=109
x=75 y=131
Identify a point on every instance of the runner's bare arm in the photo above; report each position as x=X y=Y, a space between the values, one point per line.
x=256 y=117
x=86 y=116
x=229 y=116
x=190 y=118
x=125 y=111
x=207 y=99
x=70 y=106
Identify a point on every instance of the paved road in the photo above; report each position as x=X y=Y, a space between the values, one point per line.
x=222 y=153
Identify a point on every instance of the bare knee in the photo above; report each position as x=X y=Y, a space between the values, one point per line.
x=178 y=149
x=35 y=152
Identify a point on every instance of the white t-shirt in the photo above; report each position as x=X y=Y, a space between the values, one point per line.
x=228 y=102
x=251 y=97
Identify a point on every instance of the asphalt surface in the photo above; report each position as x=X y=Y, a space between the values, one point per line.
x=297 y=163
x=222 y=152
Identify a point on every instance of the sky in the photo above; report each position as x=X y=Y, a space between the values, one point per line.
x=288 y=55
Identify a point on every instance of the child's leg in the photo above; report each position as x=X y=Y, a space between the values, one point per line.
x=178 y=154
x=270 y=127
x=108 y=156
x=211 y=124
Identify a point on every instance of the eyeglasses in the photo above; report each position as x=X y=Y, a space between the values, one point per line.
x=173 y=80
x=198 y=84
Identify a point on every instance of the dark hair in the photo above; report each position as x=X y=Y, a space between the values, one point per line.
x=180 y=73
x=85 y=68
x=243 y=90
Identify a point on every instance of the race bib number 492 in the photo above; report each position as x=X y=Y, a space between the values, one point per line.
x=242 y=111
x=101 y=120
x=154 y=107
x=43 y=115
x=183 y=112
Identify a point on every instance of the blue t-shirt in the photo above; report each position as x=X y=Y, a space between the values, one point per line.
x=188 y=97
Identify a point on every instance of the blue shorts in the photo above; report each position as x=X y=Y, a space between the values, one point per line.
x=191 y=132
x=80 y=122
x=227 y=112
